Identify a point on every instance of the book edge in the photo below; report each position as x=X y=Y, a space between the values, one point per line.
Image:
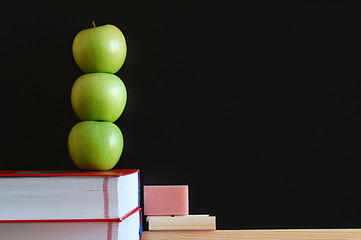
x=76 y=220
x=67 y=173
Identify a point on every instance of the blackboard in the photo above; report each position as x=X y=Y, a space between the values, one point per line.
x=254 y=104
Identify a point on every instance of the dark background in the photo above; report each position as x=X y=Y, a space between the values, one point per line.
x=255 y=105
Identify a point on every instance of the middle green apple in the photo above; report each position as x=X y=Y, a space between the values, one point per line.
x=98 y=97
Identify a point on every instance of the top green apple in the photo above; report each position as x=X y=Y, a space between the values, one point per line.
x=100 y=49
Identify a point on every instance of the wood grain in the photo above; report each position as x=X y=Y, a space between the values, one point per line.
x=300 y=234
x=190 y=222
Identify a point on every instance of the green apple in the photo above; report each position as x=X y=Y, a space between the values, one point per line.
x=98 y=96
x=95 y=145
x=100 y=49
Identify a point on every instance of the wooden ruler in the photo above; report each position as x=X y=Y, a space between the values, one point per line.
x=300 y=234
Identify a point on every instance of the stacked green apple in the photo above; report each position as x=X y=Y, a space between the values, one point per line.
x=98 y=98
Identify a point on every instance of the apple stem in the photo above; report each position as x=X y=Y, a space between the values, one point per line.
x=94 y=24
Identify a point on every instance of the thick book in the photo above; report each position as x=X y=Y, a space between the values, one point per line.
x=38 y=195
x=128 y=228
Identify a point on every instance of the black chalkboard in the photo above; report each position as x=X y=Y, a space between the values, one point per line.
x=255 y=105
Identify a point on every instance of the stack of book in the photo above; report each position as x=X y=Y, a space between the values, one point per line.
x=59 y=205
x=167 y=208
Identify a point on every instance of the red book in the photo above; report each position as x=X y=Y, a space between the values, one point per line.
x=68 y=195
x=80 y=229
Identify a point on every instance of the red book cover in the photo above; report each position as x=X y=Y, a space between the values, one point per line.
x=61 y=173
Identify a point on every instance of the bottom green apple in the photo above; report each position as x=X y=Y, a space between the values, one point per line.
x=95 y=145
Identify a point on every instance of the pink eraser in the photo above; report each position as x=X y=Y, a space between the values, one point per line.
x=166 y=200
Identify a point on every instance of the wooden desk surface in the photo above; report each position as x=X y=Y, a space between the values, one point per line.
x=298 y=234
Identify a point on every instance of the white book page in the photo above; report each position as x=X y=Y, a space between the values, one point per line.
x=129 y=229
x=128 y=193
